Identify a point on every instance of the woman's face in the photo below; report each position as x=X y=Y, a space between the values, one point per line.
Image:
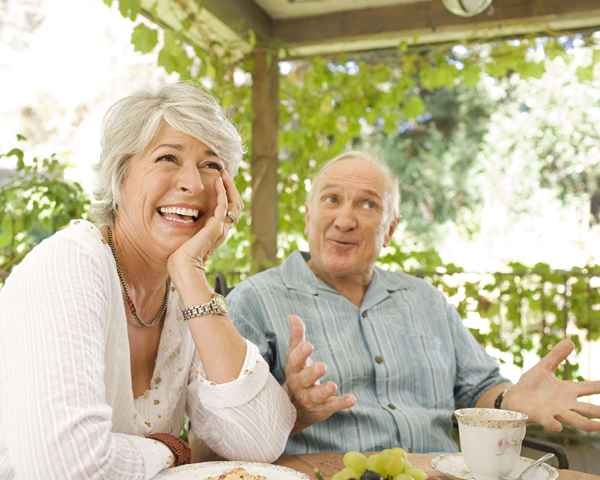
x=168 y=192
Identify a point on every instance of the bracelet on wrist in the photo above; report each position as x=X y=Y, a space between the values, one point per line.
x=215 y=306
x=179 y=449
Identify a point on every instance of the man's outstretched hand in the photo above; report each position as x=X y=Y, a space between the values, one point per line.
x=552 y=402
x=314 y=402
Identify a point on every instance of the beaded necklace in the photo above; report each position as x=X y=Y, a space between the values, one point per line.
x=163 y=308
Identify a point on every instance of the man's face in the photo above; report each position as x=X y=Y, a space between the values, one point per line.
x=346 y=219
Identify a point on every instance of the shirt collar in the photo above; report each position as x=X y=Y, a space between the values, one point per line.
x=297 y=275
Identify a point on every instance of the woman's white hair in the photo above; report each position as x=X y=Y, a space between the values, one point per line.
x=132 y=122
x=392 y=210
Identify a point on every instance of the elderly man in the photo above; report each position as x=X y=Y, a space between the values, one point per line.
x=394 y=356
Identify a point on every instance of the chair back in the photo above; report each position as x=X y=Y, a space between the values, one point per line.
x=221 y=286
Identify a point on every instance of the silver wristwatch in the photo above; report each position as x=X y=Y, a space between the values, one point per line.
x=215 y=306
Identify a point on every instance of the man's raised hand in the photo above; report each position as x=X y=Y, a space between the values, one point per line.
x=314 y=402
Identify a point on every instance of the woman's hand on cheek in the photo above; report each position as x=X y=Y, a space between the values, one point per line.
x=193 y=253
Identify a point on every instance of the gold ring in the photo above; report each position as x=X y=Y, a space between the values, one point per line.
x=230 y=217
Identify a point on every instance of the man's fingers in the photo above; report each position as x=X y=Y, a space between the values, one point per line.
x=319 y=394
x=579 y=421
x=314 y=397
x=335 y=404
x=325 y=395
x=551 y=425
x=588 y=410
x=296 y=331
x=590 y=387
x=297 y=358
x=559 y=353
x=308 y=376
x=323 y=401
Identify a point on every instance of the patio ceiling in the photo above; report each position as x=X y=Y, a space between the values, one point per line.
x=313 y=27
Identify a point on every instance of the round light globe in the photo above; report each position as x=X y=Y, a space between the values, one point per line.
x=466 y=8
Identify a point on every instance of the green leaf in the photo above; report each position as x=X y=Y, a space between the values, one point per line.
x=471 y=74
x=585 y=74
x=108 y=2
x=532 y=69
x=144 y=39
x=413 y=107
x=6 y=232
x=18 y=153
x=130 y=8
x=173 y=57
x=21 y=137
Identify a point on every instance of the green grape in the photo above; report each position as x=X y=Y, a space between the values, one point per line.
x=356 y=461
x=377 y=463
x=403 y=476
x=416 y=473
x=394 y=464
x=345 y=474
x=398 y=451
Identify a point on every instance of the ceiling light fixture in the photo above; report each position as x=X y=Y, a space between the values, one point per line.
x=466 y=8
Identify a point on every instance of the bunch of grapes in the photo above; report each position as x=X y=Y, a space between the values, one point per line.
x=391 y=464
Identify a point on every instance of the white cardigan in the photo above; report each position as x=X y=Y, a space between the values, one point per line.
x=66 y=401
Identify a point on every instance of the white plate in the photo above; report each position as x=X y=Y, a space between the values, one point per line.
x=453 y=466
x=201 y=471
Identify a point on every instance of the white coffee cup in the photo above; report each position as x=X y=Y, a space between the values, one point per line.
x=490 y=440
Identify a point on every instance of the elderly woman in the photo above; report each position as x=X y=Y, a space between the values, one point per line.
x=110 y=332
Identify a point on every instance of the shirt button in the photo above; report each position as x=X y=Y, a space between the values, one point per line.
x=391 y=406
x=364 y=314
x=378 y=359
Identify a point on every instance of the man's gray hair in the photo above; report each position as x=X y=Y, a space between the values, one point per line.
x=393 y=207
x=132 y=122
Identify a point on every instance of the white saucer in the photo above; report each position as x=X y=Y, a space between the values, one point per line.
x=453 y=465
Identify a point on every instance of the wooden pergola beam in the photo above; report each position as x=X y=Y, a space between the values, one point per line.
x=242 y=17
x=264 y=161
x=429 y=22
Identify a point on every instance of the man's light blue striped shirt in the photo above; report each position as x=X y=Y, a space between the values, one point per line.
x=404 y=353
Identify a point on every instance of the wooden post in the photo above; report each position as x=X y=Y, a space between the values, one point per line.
x=265 y=127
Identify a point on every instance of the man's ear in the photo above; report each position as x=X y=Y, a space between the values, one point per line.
x=390 y=231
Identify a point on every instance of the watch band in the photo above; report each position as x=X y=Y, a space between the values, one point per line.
x=215 y=306
x=500 y=399
x=179 y=449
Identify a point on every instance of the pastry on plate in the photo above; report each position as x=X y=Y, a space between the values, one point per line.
x=237 y=474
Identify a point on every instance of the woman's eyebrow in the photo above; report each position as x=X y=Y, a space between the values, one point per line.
x=176 y=146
